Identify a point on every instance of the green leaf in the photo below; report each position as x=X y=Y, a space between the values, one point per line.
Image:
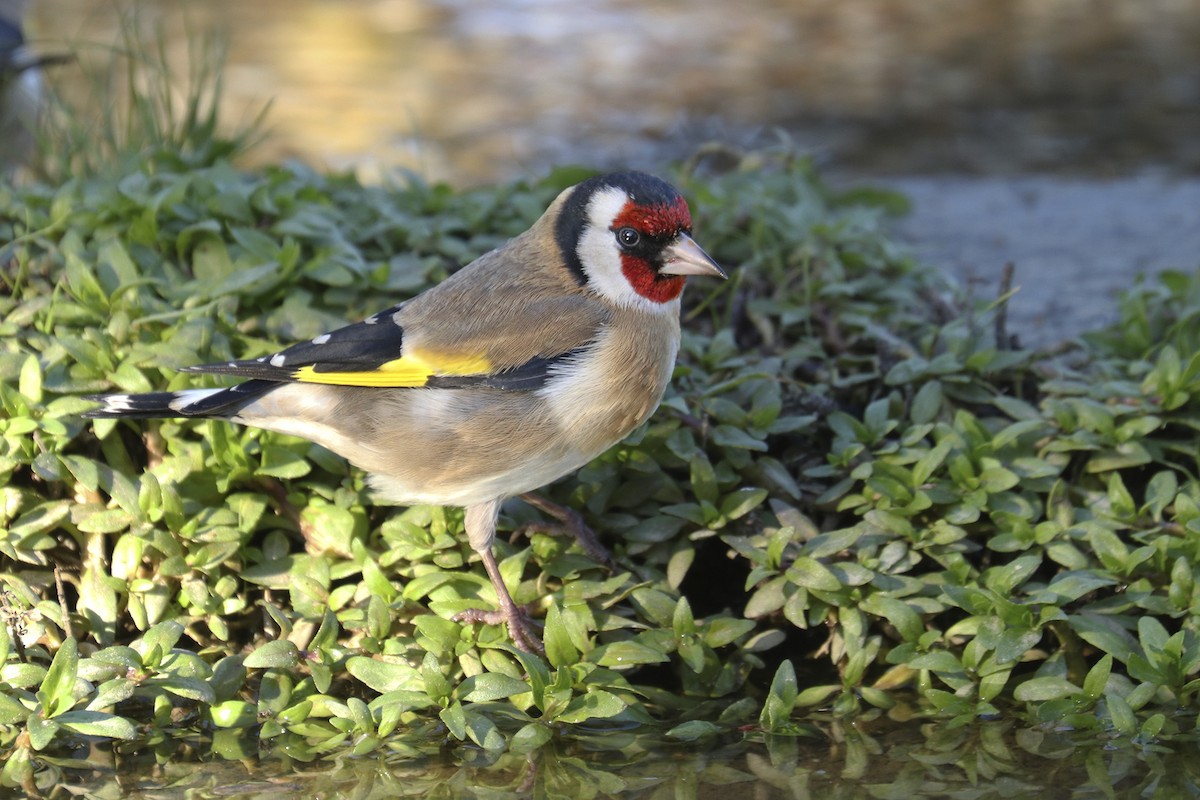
x=233 y=714
x=1160 y=492
x=694 y=730
x=768 y=598
x=720 y=631
x=1015 y=642
x=683 y=623
x=11 y=710
x=998 y=479
x=1152 y=727
x=659 y=607
x=1119 y=497
x=433 y=680
x=437 y=634
x=560 y=651
x=812 y=574
x=83 y=284
x=925 y=467
x=30 y=382
x=729 y=436
x=627 y=654
x=781 y=699
x=41 y=731
x=1066 y=587
x=1122 y=716
x=939 y=661
x=456 y=720
x=96 y=723
x=896 y=612
x=1097 y=678
x=189 y=688
x=483 y=732
x=1045 y=688
x=817 y=695
x=158 y=641
x=926 y=403
x=490 y=686
x=1152 y=635
x=280 y=654
x=704 y=480
x=384 y=675
x=57 y=690
x=1104 y=633
x=596 y=704
x=741 y=502
x=530 y=738
x=280 y=462
x=1003 y=580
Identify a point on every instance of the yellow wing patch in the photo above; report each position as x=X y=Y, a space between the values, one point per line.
x=412 y=370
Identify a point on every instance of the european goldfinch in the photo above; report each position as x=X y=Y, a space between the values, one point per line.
x=20 y=88
x=518 y=369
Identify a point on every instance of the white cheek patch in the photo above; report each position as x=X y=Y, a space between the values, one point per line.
x=599 y=252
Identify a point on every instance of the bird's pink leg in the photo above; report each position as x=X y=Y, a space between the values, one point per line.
x=481 y=529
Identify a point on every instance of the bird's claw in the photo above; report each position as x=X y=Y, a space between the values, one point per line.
x=571 y=522
x=520 y=627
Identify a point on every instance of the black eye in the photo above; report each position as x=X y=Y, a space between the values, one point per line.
x=628 y=237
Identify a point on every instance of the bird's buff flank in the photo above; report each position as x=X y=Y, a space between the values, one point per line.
x=518 y=369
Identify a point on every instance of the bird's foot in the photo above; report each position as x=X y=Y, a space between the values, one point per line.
x=571 y=522
x=520 y=626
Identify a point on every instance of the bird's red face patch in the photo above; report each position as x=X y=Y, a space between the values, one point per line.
x=653 y=222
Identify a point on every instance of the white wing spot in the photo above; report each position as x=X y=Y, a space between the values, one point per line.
x=322 y=339
x=278 y=360
x=117 y=402
x=372 y=320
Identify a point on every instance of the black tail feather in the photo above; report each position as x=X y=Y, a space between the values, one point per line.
x=219 y=403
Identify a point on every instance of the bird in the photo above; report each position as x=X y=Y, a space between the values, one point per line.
x=21 y=89
x=518 y=369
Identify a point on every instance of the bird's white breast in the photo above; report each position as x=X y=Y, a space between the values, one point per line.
x=616 y=384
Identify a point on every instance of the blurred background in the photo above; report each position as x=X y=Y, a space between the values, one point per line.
x=1059 y=135
x=478 y=90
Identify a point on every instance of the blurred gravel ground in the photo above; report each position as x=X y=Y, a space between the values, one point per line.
x=1075 y=243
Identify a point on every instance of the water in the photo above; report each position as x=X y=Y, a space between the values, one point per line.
x=954 y=103
x=873 y=759
x=475 y=91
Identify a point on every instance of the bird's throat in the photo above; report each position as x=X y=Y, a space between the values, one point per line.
x=648 y=283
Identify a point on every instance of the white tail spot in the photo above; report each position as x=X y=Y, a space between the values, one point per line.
x=118 y=402
x=188 y=396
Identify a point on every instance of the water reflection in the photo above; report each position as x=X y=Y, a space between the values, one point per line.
x=876 y=760
x=476 y=91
